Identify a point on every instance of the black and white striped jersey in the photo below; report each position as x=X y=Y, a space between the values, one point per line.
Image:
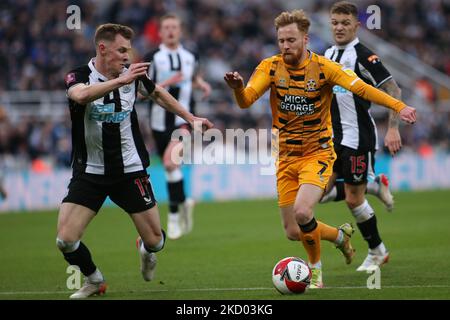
x=165 y=64
x=106 y=139
x=353 y=126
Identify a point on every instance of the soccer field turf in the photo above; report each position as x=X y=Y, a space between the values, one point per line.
x=231 y=253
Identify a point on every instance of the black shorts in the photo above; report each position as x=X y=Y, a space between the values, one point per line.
x=163 y=138
x=354 y=166
x=132 y=192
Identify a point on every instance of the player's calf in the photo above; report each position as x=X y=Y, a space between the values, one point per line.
x=76 y=253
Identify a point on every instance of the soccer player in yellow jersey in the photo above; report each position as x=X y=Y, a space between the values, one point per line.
x=301 y=83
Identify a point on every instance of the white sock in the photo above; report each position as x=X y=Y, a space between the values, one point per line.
x=363 y=212
x=174 y=176
x=330 y=196
x=317 y=265
x=96 y=277
x=340 y=238
x=379 y=250
x=174 y=216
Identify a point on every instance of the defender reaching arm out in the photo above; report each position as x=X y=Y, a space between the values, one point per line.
x=347 y=79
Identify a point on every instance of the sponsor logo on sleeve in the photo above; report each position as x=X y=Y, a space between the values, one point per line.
x=373 y=59
x=70 y=78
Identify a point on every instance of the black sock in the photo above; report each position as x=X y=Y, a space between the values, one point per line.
x=369 y=231
x=173 y=208
x=81 y=258
x=340 y=191
x=310 y=226
x=176 y=195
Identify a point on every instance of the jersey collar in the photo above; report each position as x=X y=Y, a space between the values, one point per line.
x=303 y=64
x=97 y=73
x=353 y=43
x=91 y=65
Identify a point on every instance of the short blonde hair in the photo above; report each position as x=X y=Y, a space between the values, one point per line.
x=169 y=15
x=296 y=16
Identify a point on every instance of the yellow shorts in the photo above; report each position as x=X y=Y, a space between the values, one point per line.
x=292 y=173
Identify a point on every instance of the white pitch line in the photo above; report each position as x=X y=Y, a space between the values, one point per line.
x=220 y=289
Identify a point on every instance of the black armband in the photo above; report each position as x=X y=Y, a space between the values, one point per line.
x=148 y=84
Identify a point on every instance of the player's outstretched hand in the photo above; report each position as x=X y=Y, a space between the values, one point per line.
x=201 y=124
x=134 y=71
x=408 y=114
x=206 y=89
x=234 y=80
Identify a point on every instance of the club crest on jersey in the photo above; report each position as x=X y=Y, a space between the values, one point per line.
x=347 y=64
x=282 y=82
x=311 y=85
x=126 y=89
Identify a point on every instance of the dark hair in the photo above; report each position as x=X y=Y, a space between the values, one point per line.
x=296 y=16
x=345 y=7
x=108 y=31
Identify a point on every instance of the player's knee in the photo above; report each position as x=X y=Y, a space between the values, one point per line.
x=171 y=159
x=158 y=242
x=302 y=214
x=169 y=166
x=67 y=246
x=292 y=231
x=354 y=200
x=354 y=196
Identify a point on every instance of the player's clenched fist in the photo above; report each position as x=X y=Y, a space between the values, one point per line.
x=134 y=71
x=234 y=80
x=408 y=114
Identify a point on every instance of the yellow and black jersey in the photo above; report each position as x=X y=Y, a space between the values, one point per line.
x=300 y=99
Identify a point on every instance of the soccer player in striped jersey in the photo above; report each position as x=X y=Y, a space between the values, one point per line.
x=109 y=157
x=175 y=68
x=355 y=134
x=300 y=84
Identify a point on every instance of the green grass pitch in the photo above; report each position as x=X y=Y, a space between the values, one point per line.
x=231 y=253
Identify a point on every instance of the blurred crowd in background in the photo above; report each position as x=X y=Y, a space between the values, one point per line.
x=37 y=49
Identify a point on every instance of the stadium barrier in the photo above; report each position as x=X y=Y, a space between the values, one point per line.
x=29 y=191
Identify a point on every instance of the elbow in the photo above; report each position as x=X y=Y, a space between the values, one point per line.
x=81 y=97
x=243 y=101
x=243 y=105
